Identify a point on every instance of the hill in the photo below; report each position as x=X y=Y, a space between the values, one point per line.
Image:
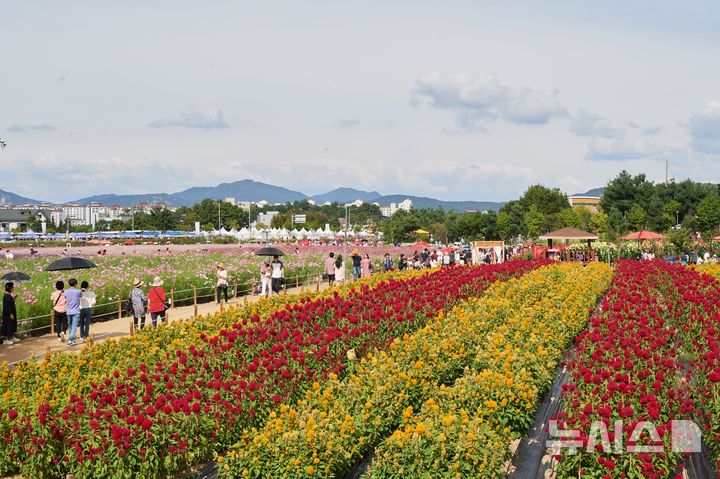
x=8 y=198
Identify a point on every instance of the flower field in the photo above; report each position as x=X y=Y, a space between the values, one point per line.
x=650 y=355
x=113 y=277
x=156 y=403
x=460 y=388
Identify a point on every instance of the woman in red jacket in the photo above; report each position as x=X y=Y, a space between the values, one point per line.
x=157 y=301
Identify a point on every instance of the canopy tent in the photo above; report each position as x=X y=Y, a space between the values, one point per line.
x=421 y=231
x=421 y=245
x=643 y=235
x=570 y=234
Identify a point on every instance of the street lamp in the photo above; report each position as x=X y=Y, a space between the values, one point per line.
x=346 y=233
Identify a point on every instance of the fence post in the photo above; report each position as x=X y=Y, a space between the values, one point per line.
x=216 y=295
x=235 y=290
x=317 y=287
x=195 y=301
x=172 y=298
x=285 y=287
x=52 y=322
x=119 y=309
x=132 y=327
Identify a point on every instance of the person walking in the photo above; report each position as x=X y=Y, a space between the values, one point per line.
x=72 y=298
x=330 y=268
x=9 y=315
x=387 y=262
x=87 y=301
x=60 y=309
x=339 y=269
x=156 y=301
x=366 y=266
x=357 y=263
x=402 y=262
x=277 y=274
x=265 y=272
x=137 y=299
x=222 y=283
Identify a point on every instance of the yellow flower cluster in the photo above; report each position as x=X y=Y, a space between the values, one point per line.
x=58 y=376
x=712 y=269
x=468 y=426
x=341 y=420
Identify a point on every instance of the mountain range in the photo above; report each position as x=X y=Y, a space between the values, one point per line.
x=249 y=190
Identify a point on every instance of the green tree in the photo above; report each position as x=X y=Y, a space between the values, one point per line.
x=670 y=214
x=623 y=192
x=617 y=226
x=598 y=223
x=708 y=214
x=569 y=217
x=503 y=225
x=533 y=220
x=637 y=218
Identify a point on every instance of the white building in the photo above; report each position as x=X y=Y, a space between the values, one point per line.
x=388 y=211
x=356 y=203
x=231 y=201
x=266 y=218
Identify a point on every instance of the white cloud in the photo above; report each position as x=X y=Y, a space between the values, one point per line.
x=621 y=149
x=204 y=118
x=26 y=128
x=348 y=123
x=50 y=177
x=704 y=129
x=586 y=123
x=483 y=98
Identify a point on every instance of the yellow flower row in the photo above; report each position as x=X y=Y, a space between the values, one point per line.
x=712 y=269
x=464 y=430
x=338 y=422
x=58 y=376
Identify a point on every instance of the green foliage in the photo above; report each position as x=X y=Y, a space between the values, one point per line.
x=637 y=218
x=708 y=214
x=533 y=221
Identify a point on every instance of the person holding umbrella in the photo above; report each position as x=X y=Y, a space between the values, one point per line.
x=9 y=315
x=72 y=299
x=277 y=274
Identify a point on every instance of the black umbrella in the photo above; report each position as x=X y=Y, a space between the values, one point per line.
x=269 y=251
x=70 y=262
x=15 y=276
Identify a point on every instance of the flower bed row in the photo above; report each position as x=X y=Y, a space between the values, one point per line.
x=627 y=369
x=160 y=417
x=699 y=296
x=336 y=424
x=464 y=430
x=59 y=376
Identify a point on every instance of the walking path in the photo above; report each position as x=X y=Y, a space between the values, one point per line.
x=38 y=346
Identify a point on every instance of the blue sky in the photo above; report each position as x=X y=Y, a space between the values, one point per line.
x=456 y=100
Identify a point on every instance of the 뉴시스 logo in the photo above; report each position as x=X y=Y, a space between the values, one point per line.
x=685 y=437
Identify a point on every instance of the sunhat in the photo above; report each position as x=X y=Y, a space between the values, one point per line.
x=220 y=265
x=157 y=282
x=138 y=283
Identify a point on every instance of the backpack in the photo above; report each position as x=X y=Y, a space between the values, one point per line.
x=129 y=307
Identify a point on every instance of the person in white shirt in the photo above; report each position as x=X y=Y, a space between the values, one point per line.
x=277 y=274
x=222 y=282
x=265 y=280
x=87 y=301
x=9 y=254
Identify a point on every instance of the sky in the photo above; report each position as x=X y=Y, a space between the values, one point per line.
x=457 y=100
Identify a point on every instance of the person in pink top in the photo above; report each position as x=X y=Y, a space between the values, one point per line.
x=265 y=274
x=365 y=266
x=60 y=309
x=330 y=268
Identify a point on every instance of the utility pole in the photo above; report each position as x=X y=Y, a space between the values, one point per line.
x=346 y=233
x=218 y=216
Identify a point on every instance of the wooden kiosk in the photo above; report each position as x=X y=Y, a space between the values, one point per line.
x=570 y=234
x=498 y=246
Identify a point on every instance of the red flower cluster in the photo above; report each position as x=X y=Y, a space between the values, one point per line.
x=626 y=368
x=160 y=418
